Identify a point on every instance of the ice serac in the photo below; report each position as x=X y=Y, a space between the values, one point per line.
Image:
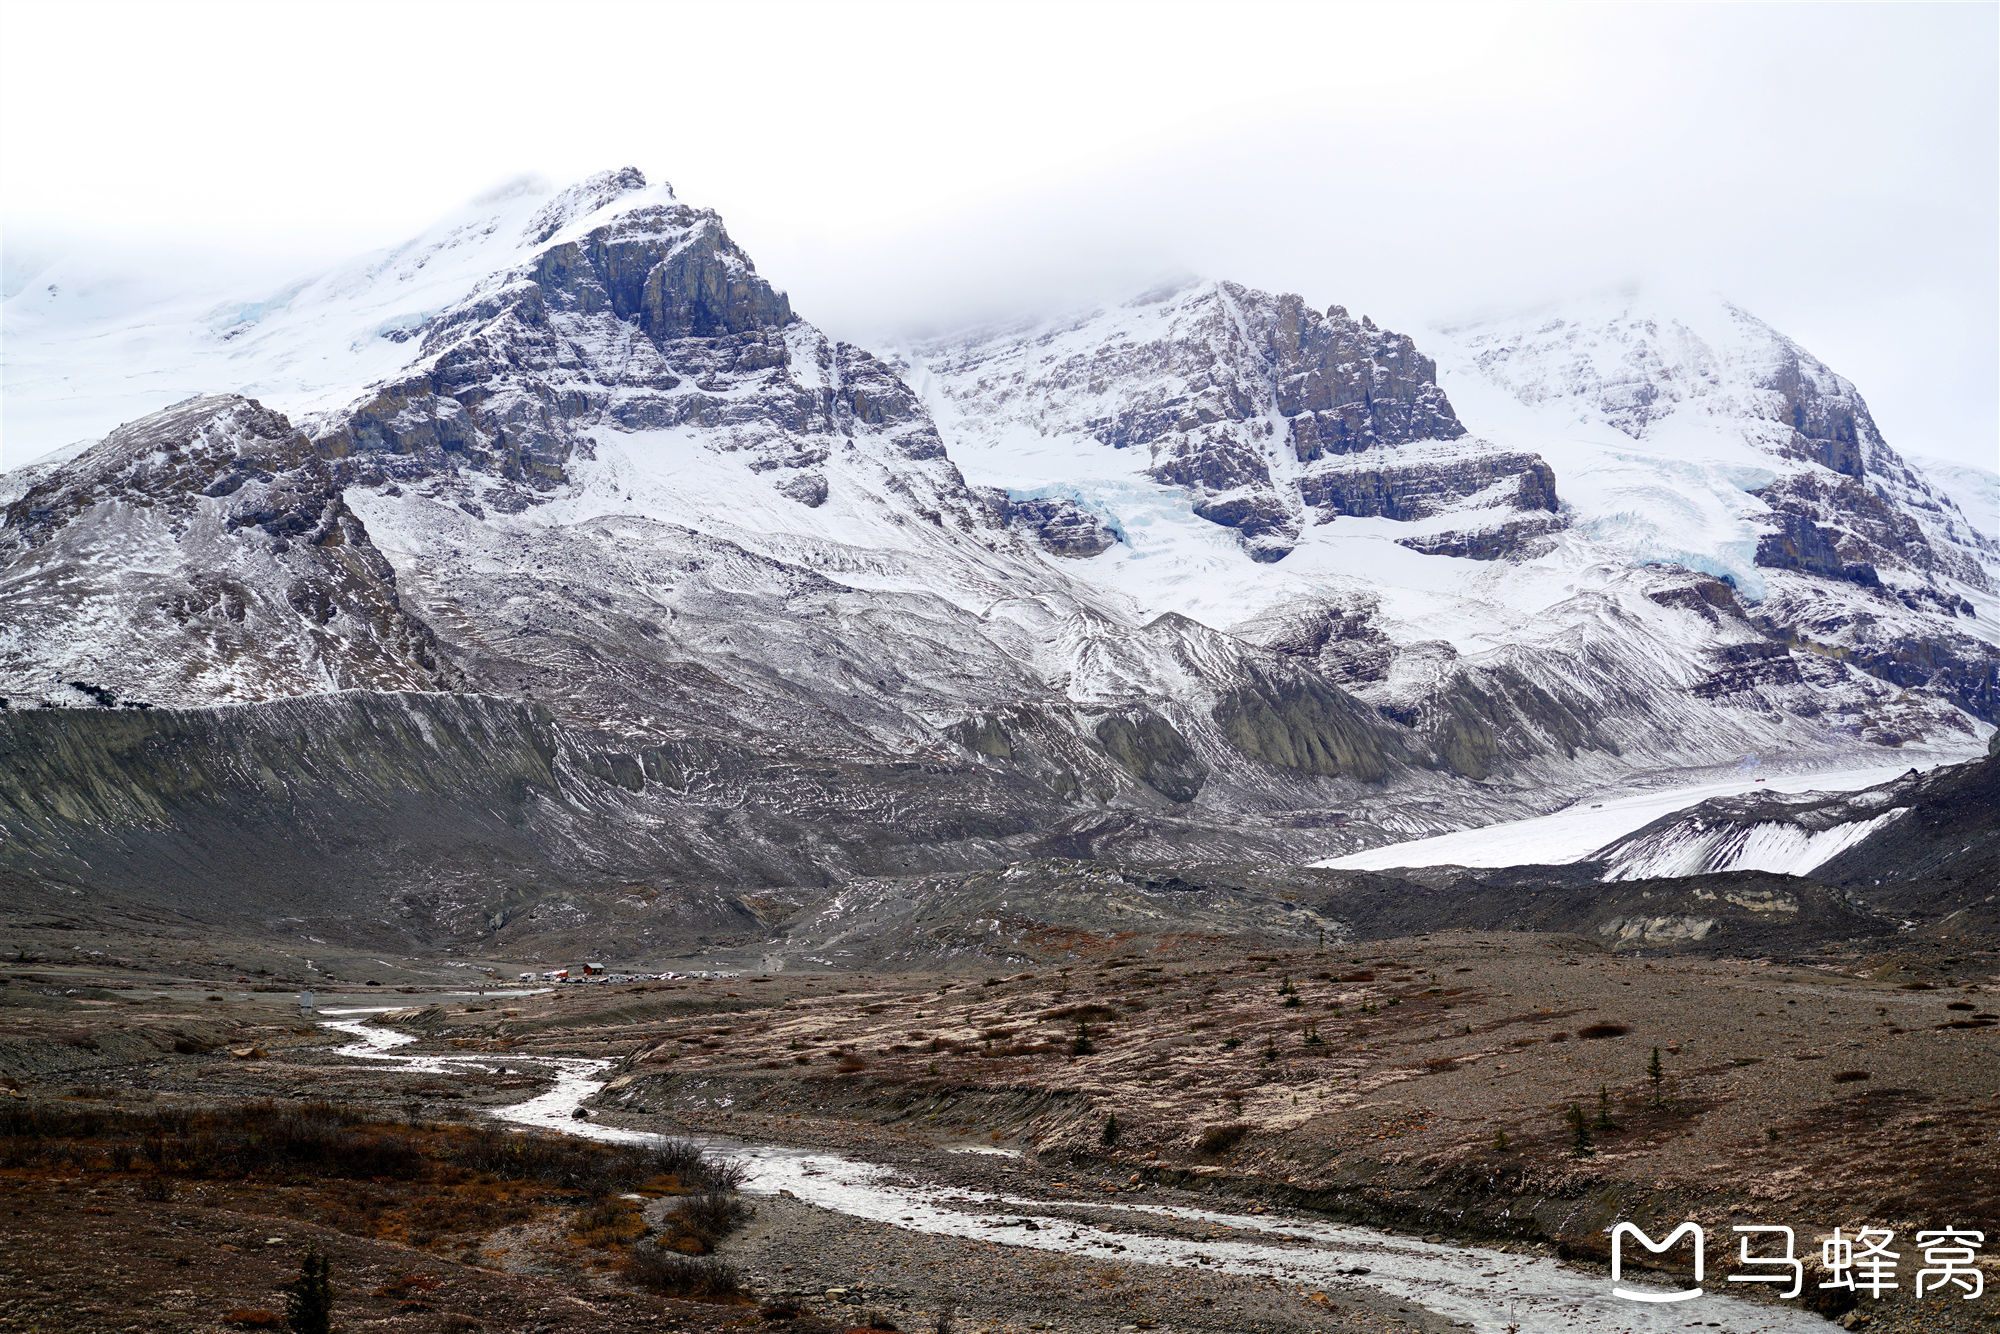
x=1273 y=416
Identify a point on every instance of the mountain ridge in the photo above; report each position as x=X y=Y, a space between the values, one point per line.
x=1270 y=593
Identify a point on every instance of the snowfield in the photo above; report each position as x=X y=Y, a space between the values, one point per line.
x=1594 y=822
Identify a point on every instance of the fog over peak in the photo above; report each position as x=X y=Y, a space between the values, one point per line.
x=903 y=172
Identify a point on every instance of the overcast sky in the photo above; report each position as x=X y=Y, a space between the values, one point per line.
x=914 y=166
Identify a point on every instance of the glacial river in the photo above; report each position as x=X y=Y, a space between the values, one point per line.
x=1490 y=1290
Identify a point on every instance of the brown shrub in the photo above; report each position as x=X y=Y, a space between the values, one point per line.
x=1222 y=1138
x=672 y=1274
x=701 y=1220
x=1603 y=1031
x=605 y=1224
x=1090 y=1012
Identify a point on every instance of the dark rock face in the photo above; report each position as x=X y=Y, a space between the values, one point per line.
x=1257 y=515
x=1507 y=541
x=1417 y=490
x=217 y=447
x=1962 y=669
x=1707 y=598
x=1802 y=545
x=1862 y=527
x=702 y=286
x=1061 y=526
x=808 y=488
x=1741 y=667
x=1850 y=532
x=654 y=321
x=1347 y=386
x=1154 y=753
x=1830 y=425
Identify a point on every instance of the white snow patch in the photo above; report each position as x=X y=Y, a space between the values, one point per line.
x=1767 y=846
x=1593 y=822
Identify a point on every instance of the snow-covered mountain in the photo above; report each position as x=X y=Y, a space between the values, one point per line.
x=1597 y=460
x=1208 y=573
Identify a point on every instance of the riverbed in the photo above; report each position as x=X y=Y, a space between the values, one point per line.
x=1493 y=1291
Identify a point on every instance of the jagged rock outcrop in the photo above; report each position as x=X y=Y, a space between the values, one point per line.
x=654 y=320
x=204 y=552
x=1060 y=525
x=1418 y=491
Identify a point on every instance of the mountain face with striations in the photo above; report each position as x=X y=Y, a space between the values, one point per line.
x=1270 y=416
x=553 y=554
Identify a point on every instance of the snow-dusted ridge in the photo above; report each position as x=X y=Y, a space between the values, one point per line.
x=87 y=352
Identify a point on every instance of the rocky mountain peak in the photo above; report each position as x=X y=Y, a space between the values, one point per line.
x=205 y=553
x=1273 y=416
x=642 y=316
x=588 y=196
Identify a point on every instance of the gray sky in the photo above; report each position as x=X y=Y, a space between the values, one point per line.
x=906 y=166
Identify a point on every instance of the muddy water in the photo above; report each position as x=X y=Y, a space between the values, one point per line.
x=1491 y=1290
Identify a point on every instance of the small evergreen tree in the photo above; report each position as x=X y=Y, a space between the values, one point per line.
x=1603 y=1120
x=1081 y=1045
x=1579 y=1128
x=1500 y=1144
x=1657 y=1073
x=309 y=1298
x=1110 y=1135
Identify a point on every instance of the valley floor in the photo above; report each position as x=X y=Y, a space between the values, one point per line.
x=1823 y=1091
